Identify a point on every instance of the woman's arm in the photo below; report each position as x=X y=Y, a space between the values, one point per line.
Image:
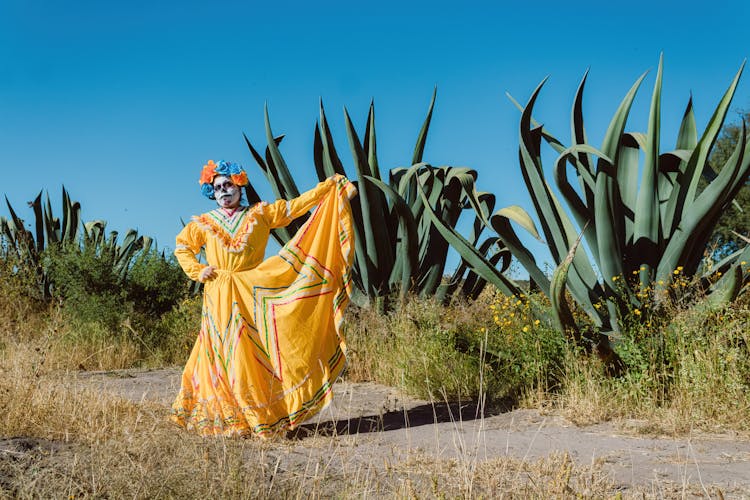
x=281 y=212
x=187 y=245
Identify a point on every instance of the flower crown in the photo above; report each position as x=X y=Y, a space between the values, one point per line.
x=226 y=168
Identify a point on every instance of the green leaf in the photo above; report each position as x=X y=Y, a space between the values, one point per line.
x=422 y=137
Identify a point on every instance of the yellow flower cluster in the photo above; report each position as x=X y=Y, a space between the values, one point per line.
x=512 y=314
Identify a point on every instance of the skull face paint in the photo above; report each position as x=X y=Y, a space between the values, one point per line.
x=226 y=192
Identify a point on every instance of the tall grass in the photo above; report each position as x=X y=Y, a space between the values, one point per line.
x=76 y=442
x=692 y=373
x=459 y=352
x=689 y=369
x=59 y=438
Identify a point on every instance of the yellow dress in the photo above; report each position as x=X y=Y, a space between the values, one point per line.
x=270 y=345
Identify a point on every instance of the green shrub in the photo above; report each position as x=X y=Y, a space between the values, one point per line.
x=88 y=287
x=174 y=334
x=100 y=301
x=155 y=284
x=461 y=351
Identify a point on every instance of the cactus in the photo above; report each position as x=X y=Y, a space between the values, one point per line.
x=49 y=231
x=405 y=225
x=638 y=229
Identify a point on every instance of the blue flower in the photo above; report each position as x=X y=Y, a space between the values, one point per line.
x=223 y=168
x=227 y=168
x=207 y=190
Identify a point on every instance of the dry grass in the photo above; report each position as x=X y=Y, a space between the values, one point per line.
x=62 y=439
x=74 y=442
x=703 y=387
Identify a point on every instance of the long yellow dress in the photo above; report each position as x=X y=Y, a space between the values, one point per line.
x=270 y=345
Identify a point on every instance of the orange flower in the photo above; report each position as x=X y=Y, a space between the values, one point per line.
x=208 y=173
x=240 y=179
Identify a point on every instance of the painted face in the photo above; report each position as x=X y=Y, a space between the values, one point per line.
x=227 y=194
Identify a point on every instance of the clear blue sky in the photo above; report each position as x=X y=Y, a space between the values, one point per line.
x=123 y=102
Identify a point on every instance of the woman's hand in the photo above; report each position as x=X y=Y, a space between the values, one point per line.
x=207 y=273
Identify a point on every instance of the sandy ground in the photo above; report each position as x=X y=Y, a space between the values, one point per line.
x=378 y=423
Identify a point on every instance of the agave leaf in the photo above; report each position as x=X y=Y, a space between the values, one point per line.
x=609 y=228
x=409 y=234
x=578 y=132
x=258 y=158
x=687 y=137
x=520 y=217
x=71 y=218
x=563 y=315
x=274 y=177
x=473 y=284
x=627 y=181
x=320 y=166
x=727 y=288
x=286 y=182
x=379 y=252
x=17 y=225
x=716 y=197
x=51 y=223
x=370 y=144
x=500 y=222
x=701 y=215
x=422 y=137
x=671 y=165
x=470 y=254
x=252 y=195
x=647 y=227
x=36 y=205
x=556 y=225
x=579 y=208
x=330 y=157
x=624 y=174
x=706 y=208
x=146 y=243
x=483 y=204
x=551 y=140
x=684 y=196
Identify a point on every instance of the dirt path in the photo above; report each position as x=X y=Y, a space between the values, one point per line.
x=386 y=426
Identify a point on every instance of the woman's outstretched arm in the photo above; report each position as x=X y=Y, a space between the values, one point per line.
x=281 y=212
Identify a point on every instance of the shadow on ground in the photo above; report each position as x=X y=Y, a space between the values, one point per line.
x=426 y=414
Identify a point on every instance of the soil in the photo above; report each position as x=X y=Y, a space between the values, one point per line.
x=387 y=426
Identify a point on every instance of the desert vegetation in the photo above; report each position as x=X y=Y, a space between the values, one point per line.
x=644 y=315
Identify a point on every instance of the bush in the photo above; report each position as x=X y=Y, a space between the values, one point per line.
x=155 y=284
x=99 y=301
x=88 y=287
x=174 y=334
x=20 y=312
x=462 y=351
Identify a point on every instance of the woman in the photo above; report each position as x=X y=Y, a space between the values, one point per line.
x=269 y=347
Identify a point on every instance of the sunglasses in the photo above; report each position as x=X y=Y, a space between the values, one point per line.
x=225 y=186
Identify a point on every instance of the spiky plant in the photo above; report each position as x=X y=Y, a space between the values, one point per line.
x=48 y=230
x=404 y=224
x=643 y=225
x=29 y=246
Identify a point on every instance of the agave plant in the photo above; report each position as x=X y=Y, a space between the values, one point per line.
x=48 y=229
x=122 y=252
x=404 y=225
x=643 y=225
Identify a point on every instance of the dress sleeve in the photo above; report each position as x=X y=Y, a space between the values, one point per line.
x=187 y=245
x=282 y=212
